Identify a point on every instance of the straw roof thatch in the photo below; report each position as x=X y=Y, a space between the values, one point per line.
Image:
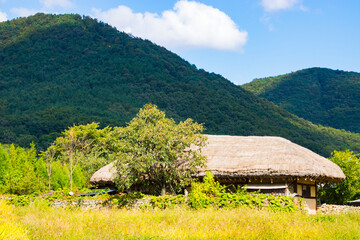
x=105 y=175
x=237 y=157
x=266 y=157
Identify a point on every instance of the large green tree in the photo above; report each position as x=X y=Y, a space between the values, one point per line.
x=158 y=154
x=349 y=189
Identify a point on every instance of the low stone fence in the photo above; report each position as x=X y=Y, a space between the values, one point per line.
x=87 y=204
x=83 y=204
x=336 y=209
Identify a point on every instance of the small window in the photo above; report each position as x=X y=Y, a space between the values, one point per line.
x=306 y=191
x=299 y=190
x=313 y=191
x=280 y=191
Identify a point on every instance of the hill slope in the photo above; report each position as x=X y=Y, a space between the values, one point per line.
x=57 y=70
x=320 y=95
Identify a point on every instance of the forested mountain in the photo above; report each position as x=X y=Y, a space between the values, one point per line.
x=57 y=70
x=320 y=95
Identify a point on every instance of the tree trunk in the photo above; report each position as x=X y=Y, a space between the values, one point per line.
x=163 y=190
x=71 y=170
x=49 y=180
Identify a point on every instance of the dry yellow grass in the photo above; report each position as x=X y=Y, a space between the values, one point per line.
x=243 y=223
x=9 y=227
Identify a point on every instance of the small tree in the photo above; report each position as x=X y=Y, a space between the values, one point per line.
x=84 y=145
x=49 y=155
x=349 y=188
x=156 y=153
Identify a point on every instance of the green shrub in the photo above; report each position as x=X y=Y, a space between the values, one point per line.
x=22 y=200
x=163 y=202
x=210 y=193
x=125 y=199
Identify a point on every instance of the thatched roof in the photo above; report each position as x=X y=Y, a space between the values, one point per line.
x=233 y=157
x=104 y=176
x=266 y=157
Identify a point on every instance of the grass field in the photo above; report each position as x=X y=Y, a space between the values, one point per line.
x=42 y=222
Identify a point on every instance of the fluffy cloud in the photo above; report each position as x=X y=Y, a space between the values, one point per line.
x=23 y=12
x=276 y=5
x=3 y=16
x=54 y=3
x=188 y=24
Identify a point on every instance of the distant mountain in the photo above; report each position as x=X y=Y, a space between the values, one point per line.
x=320 y=95
x=57 y=70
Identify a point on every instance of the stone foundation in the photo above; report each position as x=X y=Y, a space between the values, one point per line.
x=336 y=209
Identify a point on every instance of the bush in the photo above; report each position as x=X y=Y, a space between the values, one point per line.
x=210 y=193
x=348 y=189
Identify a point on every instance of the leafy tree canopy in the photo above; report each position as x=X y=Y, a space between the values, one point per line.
x=158 y=154
x=23 y=172
x=349 y=189
x=83 y=145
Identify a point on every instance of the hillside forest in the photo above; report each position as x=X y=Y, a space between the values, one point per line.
x=60 y=70
x=322 y=96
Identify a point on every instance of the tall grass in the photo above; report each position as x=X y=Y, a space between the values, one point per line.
x=43 y=222
x=9 y=227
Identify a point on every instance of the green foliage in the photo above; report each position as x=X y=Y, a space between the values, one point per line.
x=205 y=194
x=168 y=201
x=60 y=70
x=125 y=199
x=320 y=95
x=22 y=200
x=23 y=172
x=346 y=190
x=155 y=154
x=210 y=193
x=84 y=149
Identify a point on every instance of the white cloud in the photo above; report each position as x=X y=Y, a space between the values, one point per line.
x=54 y=3
x=276 y=5
x=188 y=24
x=23 y=12
x=3 y=16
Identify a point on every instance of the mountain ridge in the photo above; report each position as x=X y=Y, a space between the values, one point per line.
x=320 y=95
x=68 y=69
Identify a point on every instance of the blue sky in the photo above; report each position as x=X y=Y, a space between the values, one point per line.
x=239 y=39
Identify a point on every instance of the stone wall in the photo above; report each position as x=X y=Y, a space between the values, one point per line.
x=87 y=204
x=336 y=209
x=83 y=204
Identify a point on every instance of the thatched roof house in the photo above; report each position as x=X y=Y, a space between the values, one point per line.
x=251 y=158
x=269 y=164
